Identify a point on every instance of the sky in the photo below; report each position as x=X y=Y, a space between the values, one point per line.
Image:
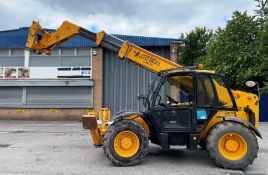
x=158 y=18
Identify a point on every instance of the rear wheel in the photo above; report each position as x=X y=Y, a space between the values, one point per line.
x=232 y=145
x=125 y=143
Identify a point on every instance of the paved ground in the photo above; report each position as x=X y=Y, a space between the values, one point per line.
x=39 y=147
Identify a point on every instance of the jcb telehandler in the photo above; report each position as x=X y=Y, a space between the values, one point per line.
x=184 y=106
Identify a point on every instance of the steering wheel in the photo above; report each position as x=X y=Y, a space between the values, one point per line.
x=161 y=104
x=171 y=100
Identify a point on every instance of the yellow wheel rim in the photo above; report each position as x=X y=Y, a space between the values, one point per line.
x=126 y=144
x=232 y=146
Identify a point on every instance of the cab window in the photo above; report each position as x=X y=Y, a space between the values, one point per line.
x=212 y=92
x=176 y=91
x=224 y=97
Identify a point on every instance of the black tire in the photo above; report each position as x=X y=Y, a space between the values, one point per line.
x=108 y=145
x=232 y=127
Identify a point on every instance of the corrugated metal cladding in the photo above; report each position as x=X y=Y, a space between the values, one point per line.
x=123 y=80
x=17 y=39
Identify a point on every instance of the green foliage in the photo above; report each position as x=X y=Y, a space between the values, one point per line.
x=262 y=11
x=264 y=41
x=262 y=18
x=196 y=49
x=264 y=53
x=239 y=51
x=234 y=51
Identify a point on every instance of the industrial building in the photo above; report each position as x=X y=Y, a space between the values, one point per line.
x=75 y=78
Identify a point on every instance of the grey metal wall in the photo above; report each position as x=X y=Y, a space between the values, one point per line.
x=123 y=80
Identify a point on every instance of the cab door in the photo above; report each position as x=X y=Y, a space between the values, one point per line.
x=212 y=95
x=173 y=104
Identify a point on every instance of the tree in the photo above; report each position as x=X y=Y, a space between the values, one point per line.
x=264 y=41
x=262 y=11
x=235 y=52
x=264 y=54
x=262 y=18
x=196 y=49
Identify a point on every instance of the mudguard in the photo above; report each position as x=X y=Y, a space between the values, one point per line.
x=125 y=113
x=138 y=117
x=244 y=122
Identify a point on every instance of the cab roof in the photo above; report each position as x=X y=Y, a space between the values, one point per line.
x=186 y=69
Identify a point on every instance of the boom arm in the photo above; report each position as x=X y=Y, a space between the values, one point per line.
x=42 y=41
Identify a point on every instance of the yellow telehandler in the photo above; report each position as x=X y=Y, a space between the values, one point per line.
x=184 y=106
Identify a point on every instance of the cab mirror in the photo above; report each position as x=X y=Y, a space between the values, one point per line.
x=250 y=84
x=139 y=96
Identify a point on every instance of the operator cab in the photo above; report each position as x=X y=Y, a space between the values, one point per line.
x=182 y=103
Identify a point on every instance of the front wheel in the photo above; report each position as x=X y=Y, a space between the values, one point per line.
x=125 y=143
x=232 y=145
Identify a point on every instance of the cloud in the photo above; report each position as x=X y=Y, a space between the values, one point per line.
x=159 y=18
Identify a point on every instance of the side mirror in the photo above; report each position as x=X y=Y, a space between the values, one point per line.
x=251 y=84
x=139 y=96
x=145 y=100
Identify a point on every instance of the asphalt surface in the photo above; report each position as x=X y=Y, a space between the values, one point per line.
x=49 y=147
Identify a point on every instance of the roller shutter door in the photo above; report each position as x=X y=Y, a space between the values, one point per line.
x=11 y=97
x=59 y=97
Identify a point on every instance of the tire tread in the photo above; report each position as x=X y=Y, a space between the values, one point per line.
x=212 y=146
x=113 y=129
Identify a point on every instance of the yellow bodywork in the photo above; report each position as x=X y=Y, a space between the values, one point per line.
x=98 y=129
x=49 y=40
x=146 y=59
x=242 y=100
x=141 y=122
x=143 y=58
